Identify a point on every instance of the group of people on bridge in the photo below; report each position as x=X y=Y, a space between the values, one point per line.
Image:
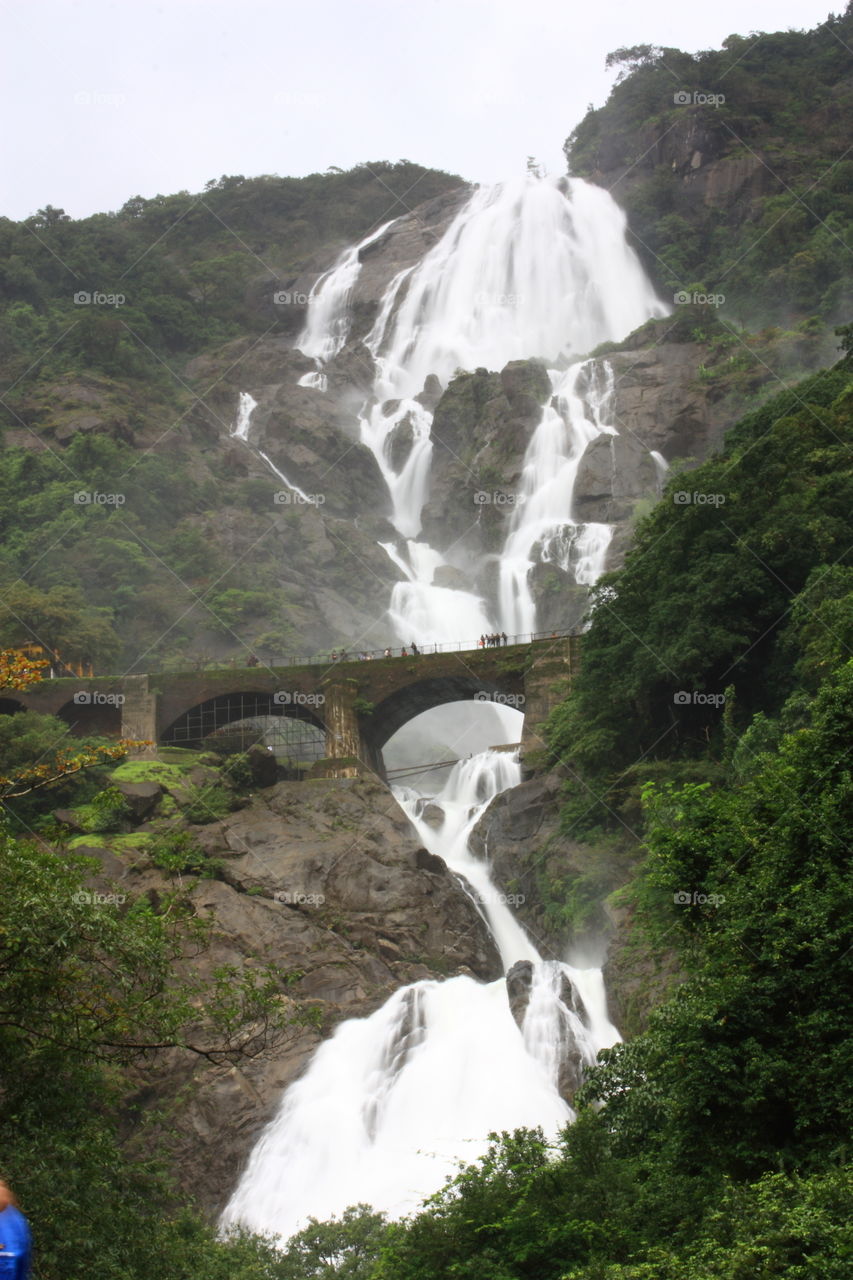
x=367 y=656
x=492 y=641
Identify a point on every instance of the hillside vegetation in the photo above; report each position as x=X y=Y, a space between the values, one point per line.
x=734 y=168
x=709 y=728
x=100 y=398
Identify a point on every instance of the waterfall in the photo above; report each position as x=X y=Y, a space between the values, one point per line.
x=534 y=267
x=327 y=328
x=542 y=519
x=246 y=407
x=240 y=431
x=390 y=1104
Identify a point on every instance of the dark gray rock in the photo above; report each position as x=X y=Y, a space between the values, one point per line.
x=263 y=765
x=324 y=881
x=69 y=819
x=141 y=798
x=518 y=983
x=613 y=473
x=400 y=442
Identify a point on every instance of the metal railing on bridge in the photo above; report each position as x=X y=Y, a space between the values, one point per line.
x=332 y=657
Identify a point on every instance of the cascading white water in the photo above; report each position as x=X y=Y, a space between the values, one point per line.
x=532 y=267
x=246 y=407
x=240 y=431
x=391 y=1103
x=542 y=522
x=327 y=327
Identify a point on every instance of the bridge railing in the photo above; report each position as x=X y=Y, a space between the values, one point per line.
x=331 y=657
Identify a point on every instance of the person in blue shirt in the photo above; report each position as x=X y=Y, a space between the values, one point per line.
x=15 y=1244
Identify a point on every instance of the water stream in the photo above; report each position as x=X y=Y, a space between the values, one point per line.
x=529 y=268
x=390 y=1104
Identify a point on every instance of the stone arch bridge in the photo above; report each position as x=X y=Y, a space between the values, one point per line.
x=359 y=705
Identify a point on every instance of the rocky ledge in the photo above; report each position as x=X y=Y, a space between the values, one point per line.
x=327 y=882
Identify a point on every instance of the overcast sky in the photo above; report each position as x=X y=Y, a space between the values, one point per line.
x=106 y=99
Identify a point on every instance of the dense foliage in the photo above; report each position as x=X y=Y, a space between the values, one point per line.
x=715 y=709
x=775 y=111
x=715 y=1143
x=118 y=585
x=114 y=500
x=90 y=983
x=734 y=595
x=181 y=264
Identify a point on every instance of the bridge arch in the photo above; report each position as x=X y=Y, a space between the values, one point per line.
x=196 y=723
x=92 y=718
x=405 y=703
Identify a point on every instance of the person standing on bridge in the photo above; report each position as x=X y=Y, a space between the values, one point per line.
x=15 y=1241
x=503 y=637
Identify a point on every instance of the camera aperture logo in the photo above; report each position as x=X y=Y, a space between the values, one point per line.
x=284 y=298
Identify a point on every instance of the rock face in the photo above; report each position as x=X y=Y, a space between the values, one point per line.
x=697 y=149
x=520 y=835
x=141 y=798
x=659 y=397
x=519 y=982
x=335 y=578
x=327 y=882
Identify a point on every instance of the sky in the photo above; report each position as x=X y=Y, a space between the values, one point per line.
x=106 y=99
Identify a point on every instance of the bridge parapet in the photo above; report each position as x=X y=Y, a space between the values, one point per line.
x=359 y=704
